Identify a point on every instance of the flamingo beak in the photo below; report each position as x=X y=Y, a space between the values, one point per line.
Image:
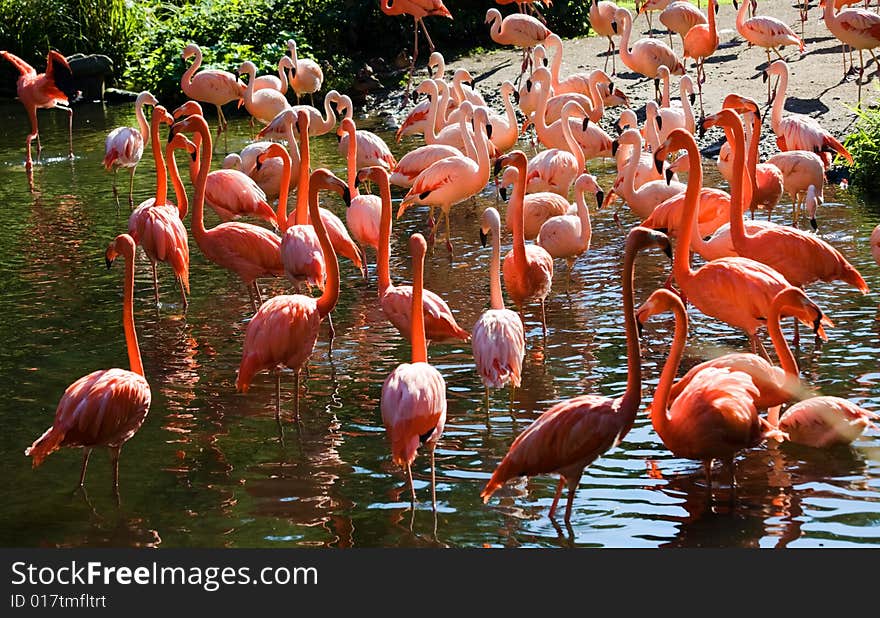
x=615 y=144
x=346 y=197
x=658 y=164
x=585 y=124
x=484 y=237
x=489 y=131
x=600 y=197
x=614 y=26
x=764 y=77
x=814 y=224
x=669 y=175
x=503 y=192
x=528 y=85
x=497 y=168
x=659 y=121
x=693 y=98
x=516 y=97
x=108 y=261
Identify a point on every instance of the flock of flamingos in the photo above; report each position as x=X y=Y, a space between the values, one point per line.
x=753 y=275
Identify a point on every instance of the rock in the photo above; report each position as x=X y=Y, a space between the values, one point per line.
x=91 y=73
x=117 y=95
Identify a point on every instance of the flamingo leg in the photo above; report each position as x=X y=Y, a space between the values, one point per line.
x=732 y=464
x=35 y=132
x=572 y=488
x=543 y=319
x=559 y=487
x=512 y=396
x=155 y=282
x=433 y=482
x=182 y=294
x=296 y=397
x=861 y=73
x=130 y=186
x=114 y=460
x=332 y=333
x=707 y=468
x=85 y=463
x=257 y=291
x=278 y=394
x=69 y=131
x=448 y=241
x=412 y=489
x=427 y=36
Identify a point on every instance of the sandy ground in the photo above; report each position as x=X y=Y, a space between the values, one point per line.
x=816 y=85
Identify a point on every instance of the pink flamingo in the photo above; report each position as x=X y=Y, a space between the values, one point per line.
x=440 y=324
x=419 y=9
x=518 y=30
x=858 y=28
x=268 y=176
x=318 y=124
x=156 y=224
x=601 y=18
x=210 y=85
x=714 y=416
x=306 y=75
x=528 y=270
x=555 y=169
x=413 y=401
x=454 y=179
x=568 y=236
x=800 y=170
x=643 y=199
x=651 y=6
x=736 y=290
x=646 y=55
x=875 y=244
x=364 y=212
x=250 y=251
x=232 y=194
x=372 y=149
x=700 y=42
x=498 y=338
x=825 y=421
x=572 y=434
x=53 y=89
x=537 y=207
x=106 y=407
x=765 y=31
x=679 y=17
x=279 y=83
x=262 y=104
x=285 y=328
x=124 y=146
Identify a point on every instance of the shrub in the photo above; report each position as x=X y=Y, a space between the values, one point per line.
x=864 y=145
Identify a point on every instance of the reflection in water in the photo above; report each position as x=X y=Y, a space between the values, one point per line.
x=210 y=467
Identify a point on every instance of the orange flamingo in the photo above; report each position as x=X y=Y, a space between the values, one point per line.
x=210 y=85
x=679 y=17
x=157 y=225
x=518 y=30
x=646 y=55
x=858 y=28
x=285 y=328
x=700 y=42
x=124 y=146
x=419 y=9
x=498 y=338
x=528 y=270
x=413 y=401
x=714 y=416
x=250 y=251
x=53 y=89
x=106 y=407
x=440 y=324
x=736 y=290
x=572 y=434
x=262 y=104
x=306 y=75
x=826 y=421
x=601 y=18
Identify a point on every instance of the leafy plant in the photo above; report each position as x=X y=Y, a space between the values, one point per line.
x=864 y=145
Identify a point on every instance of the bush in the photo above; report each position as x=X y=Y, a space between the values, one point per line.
x=864 y=145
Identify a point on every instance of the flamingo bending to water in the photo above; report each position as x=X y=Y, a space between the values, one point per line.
x=107 y=407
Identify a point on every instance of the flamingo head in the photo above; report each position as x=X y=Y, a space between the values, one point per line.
x=490 y=221
x=179 y=141
x=302 y=122
x=794 y=302
x=587 y=182
x=374 y=173
x=273 y=150
x=190 y=108
x=492 y=15
x=740 y=103
x=122 y=245
x=189 y=51
x=346 y=126
x=659 y=302
x=324 y=179
x=146 y=98
x=161 y=115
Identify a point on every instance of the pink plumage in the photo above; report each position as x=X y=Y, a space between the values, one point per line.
x=825 y=421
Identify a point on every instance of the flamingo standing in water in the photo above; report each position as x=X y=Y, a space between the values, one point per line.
x=572 y=434
x=124 y=146
x=285 y=328
x=518 y=30
x=413 y=401
x=568 y=236
x=735 y=290
x=364 y=211
x=419 y=9
x=306 y=75
x=714 y=416
x=528 y=270
x=875 y=244
x=262 y=104
x=372 y=149
x=440 y=324
x=210 y=85
x=537 y=207
x=106 y=407
x=250 y=251
x=157 y=225
x=498 y=338
x=53 y=89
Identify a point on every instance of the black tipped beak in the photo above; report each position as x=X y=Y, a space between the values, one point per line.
x=528 y=85
x=194 y=156
x=585 y=124
x=735 y=5
x=503 y=193
x=619 y=130
x=489 y=131
x=614 y=26
x=764 y=77
x=338 y=138
x=600 y=197
x=657 y=83
x=259 y=164
x=640 y=328
x=108 y=261
x=669 y=175
x=484 y=237
x=658 y=164
x=814 y=224
x=611 y=87
x=346 y=197
x=692 y=97
x=817 y=324
x=357 y=181
x=546 y=62
x=659 y=121
x=516 y=97
x=615 y=145
x=667 y=250
x=497 y=167
x=414 y=96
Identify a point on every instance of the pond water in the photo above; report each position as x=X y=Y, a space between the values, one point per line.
x=210 y=467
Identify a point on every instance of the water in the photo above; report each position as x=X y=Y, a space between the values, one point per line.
x=210 y=468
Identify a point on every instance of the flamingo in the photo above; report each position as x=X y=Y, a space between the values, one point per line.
x=714 y=416
x=463 y=89
x=582 y=83
x=106 y=407
x=679 y=17
x=285 y=328
x=156 y=224
x=395 y=300
x=555 y=169
x=250 y=251
x=765 y=31
x=306 y=75
x=646 y=55
x=53 y=89
x=518 y=30
x=875 y=244
x=210 y=85
x=699 y=43
x=800 y=169
x=537 y=207
x=528 y=270
x=453 y=179
x=498 y=338
x=318 y=124
x=413 y=401
x=372 y=149
x=800 y=257
x=268 y=176
x=650 y=6
x=660 y=121
x=265 y=104
x=858 y=28
x=572 y=434
x=643 y=199
x=568 y=236
x=735 y=290
x=364 y=212
x=279 y=83
x=826 y=421
x=601 y=18
x=124 y=146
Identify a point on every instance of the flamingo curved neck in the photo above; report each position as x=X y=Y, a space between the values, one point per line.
x=736 y=137
x=583 y=212
x=419 y=343
x=161 y=171
x=201 y=184
x=351 y=161
x=496 y=300
x=623 y=47
x=572 y=143
x=659 y=406
x=512 y=125
x=329 y=119
x=681 y=265
x=480 y=148
x=434 y=113
x=284 y=191
x=282 y=77
x=779 y=101
x=664 y=99
x=197 y=62
x=131 y=342
x=142 y=121
x=741 y=14
x=302 y=191
x=713 y=33
x=632 y=396
x=774 y=329
x=595 y=96
x=470 y=149
x=632 y=166
x=556 y=63
x=384 y=257
x=328 y=299
x=179 y=191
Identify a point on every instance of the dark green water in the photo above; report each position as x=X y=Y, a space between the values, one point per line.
x=209 y=468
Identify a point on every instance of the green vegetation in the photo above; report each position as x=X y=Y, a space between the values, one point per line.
x=144 y=38
x=864 y=145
